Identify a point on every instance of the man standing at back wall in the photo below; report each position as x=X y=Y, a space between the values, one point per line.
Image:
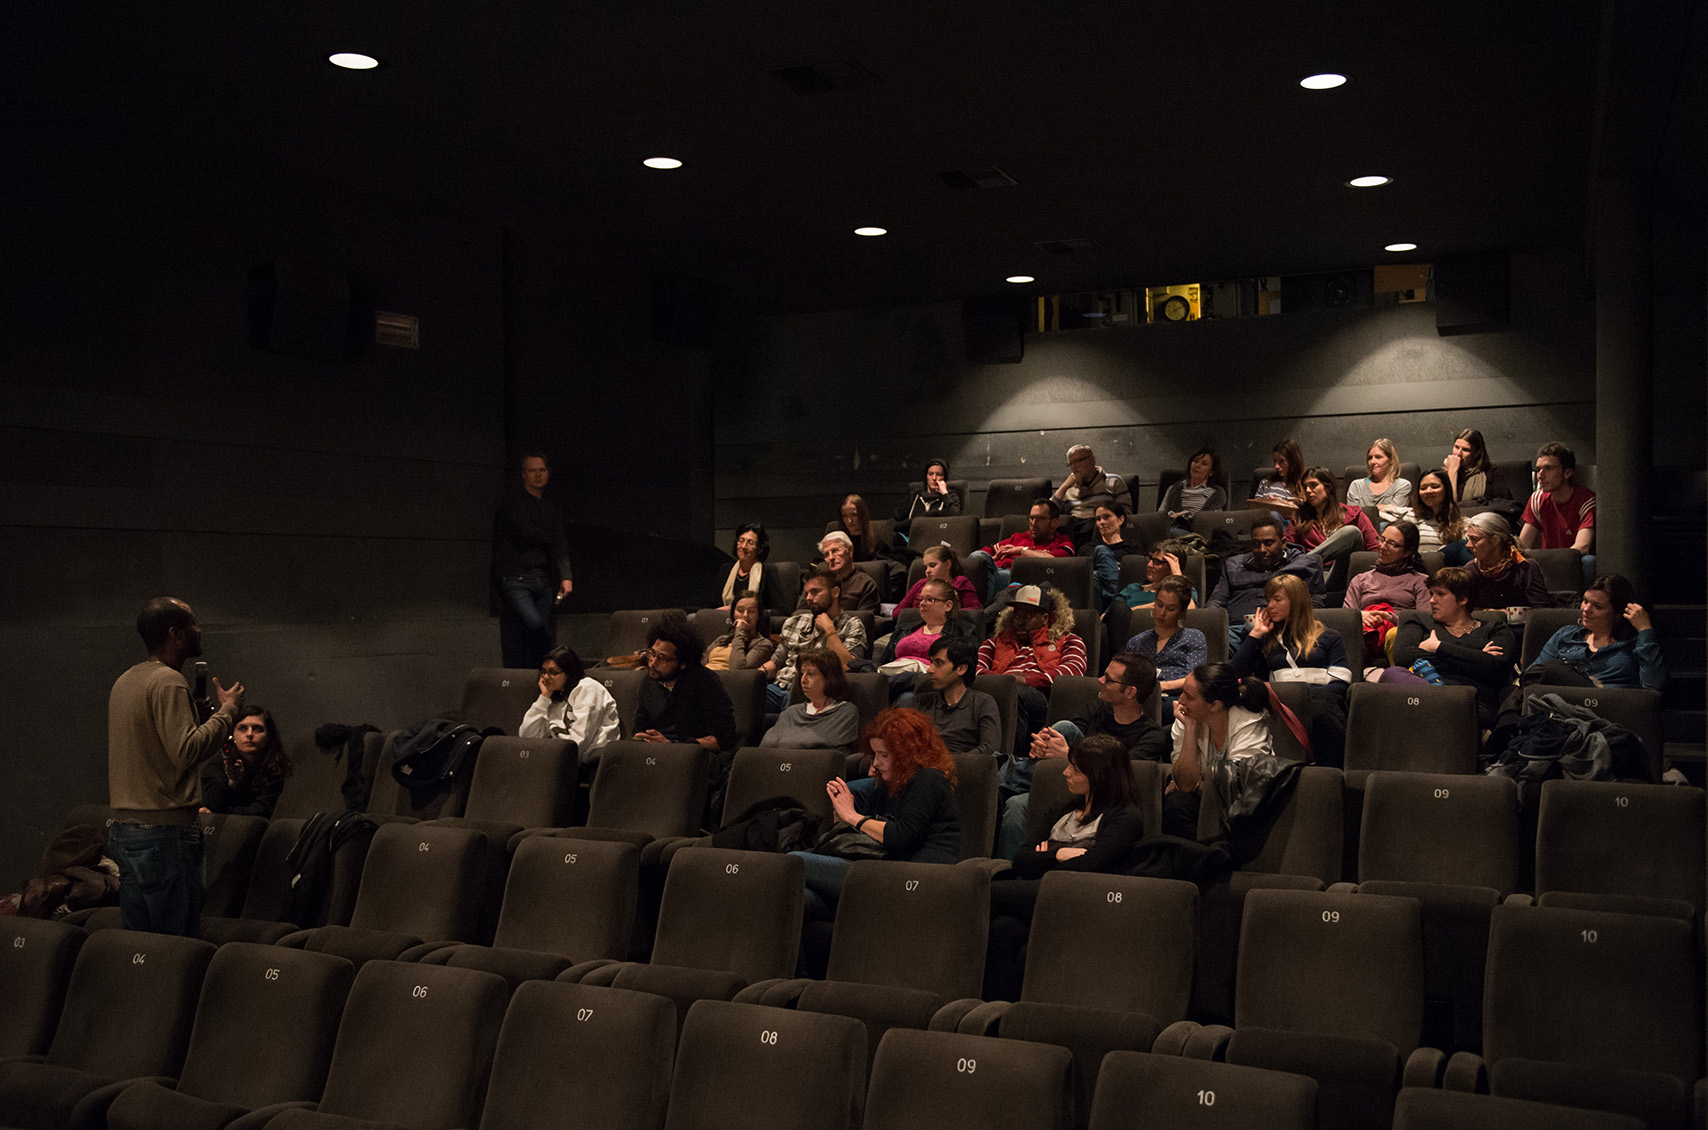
x=154 y=752
x=530 y=560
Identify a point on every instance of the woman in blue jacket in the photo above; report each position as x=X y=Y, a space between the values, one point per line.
x=1613 y=644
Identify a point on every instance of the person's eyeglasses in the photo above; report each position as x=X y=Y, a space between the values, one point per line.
x=1118 y=682
x=550 y=673
x=653 y=653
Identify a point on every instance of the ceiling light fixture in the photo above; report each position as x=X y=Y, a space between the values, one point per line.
x=351 y=61
x=1019 y=279
x=1369 y=182
x=662 y=163
x=871 y=231
x=1400 y=247
x=1328 y=80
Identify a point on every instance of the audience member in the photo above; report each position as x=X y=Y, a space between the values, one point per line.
x=1285 y=489
x=1327 y=527
x=1127 y=683
x=1203 y=488
x=155 y=748
x=934 y=499
x=1220 y=721
x=1398 y=581
x=856 y=521
x=1453 y=647
x=821 y=622
x=748 y=643
x=943 y=564
x=1288 y=644
x=1108 y=545
x=1041 y=538
x=905 y=657
x=249 y=774
x=1162 y=562
x=681 y=701
x=910 y=812
x=1561 y=514
x=1383 y=488
x=1034 y=642
x=571 y=706
x=1475 y=480
x=968 y=719
x=1175 y=649
x=749 y=574
x=1440 y=526
x=1086 y=487
x=1244 y=575
x=1501 y=576
x=859 y=593
x=826 y=720
x=530 y=562
x=1613 y=645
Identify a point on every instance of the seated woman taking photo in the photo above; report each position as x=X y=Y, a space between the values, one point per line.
x=1613 y=645
x=905 y=810
x=1383 y=488
x=1455 y=648
x=1175 y=649
x=571 y=705
x=1440 y=526
x=1107 y=546
x=1203 y=488
x=1326 y=527
x=826 y=720
x=249 y=773
x=1397 y=582
x=748 y=643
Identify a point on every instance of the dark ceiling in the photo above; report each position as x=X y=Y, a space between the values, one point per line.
x=1174 y=135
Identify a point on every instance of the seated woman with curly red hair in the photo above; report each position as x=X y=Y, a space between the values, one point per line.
x=906 y=809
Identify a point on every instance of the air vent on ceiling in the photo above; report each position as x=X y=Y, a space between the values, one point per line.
x=1069 y=246
x=989 y=176
x=401 y=330
x=822 y=78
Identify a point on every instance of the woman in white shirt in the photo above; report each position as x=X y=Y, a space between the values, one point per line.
x=1219 y=719
x=571 y=705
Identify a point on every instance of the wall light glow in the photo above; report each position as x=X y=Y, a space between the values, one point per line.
x=662 y=163
x=351 y=61
x=1325 y=81
x=1369 y=182
x=871 y=231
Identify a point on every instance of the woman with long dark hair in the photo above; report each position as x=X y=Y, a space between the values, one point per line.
x=1203 y=488
x=249 y=773
x=1476 y=481
x=571 y=705
x=1613 y=643
x=1220 y=720
x=1440 y=526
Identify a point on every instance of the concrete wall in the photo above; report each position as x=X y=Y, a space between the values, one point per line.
x=900 y=391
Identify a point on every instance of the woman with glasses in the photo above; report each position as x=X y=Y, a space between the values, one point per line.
x=906 y=657
x=571 y=705
x=1501 y=576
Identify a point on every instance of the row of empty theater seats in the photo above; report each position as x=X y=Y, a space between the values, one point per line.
x=1597 y=1010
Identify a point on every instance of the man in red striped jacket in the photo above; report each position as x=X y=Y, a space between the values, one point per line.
x=1034 y=642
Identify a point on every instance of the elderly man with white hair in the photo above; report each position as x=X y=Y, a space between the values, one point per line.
x=1086 y=487
x=859 y=591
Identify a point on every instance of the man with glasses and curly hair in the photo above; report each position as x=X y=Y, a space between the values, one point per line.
x=681 y=701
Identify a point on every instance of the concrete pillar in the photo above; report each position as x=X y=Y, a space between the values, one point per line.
x=1624 y=377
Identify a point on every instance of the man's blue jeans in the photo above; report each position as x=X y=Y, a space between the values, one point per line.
x=160 y=876
x=528 y=599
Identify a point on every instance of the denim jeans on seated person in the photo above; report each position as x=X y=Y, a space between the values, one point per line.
x=1011 y=829
x=996 y=577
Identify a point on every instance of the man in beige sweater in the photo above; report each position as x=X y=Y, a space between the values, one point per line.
x=154 y=750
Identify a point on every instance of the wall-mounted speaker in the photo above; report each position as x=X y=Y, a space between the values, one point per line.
x=991 y=329
x=299 y=310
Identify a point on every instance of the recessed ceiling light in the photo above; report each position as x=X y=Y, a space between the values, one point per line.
x=1400 y=247
x=1325 y=81
x=351 y=61
x=662 y=163
x=1368 y=182
x=871 y=231
x=1020 y=279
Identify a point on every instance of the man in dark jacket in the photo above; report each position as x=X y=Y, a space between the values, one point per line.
x=530 y=561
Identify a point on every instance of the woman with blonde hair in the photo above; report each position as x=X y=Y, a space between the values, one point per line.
x=1288 y=644
x=1383 y=488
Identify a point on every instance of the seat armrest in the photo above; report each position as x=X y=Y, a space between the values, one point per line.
x=948 y=1018
x=1519 y=900
x=1466 y=1071
x=1172 y=1040
x=994 y=867
x=296 y=939
x=424 y=952
x=1424 y=1068
x=983 y=1020
x=1209 y=1042
x=777 y=992
x=1343 y=888
x=90 y=1113
x=580 y=970
x=260 y=1116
